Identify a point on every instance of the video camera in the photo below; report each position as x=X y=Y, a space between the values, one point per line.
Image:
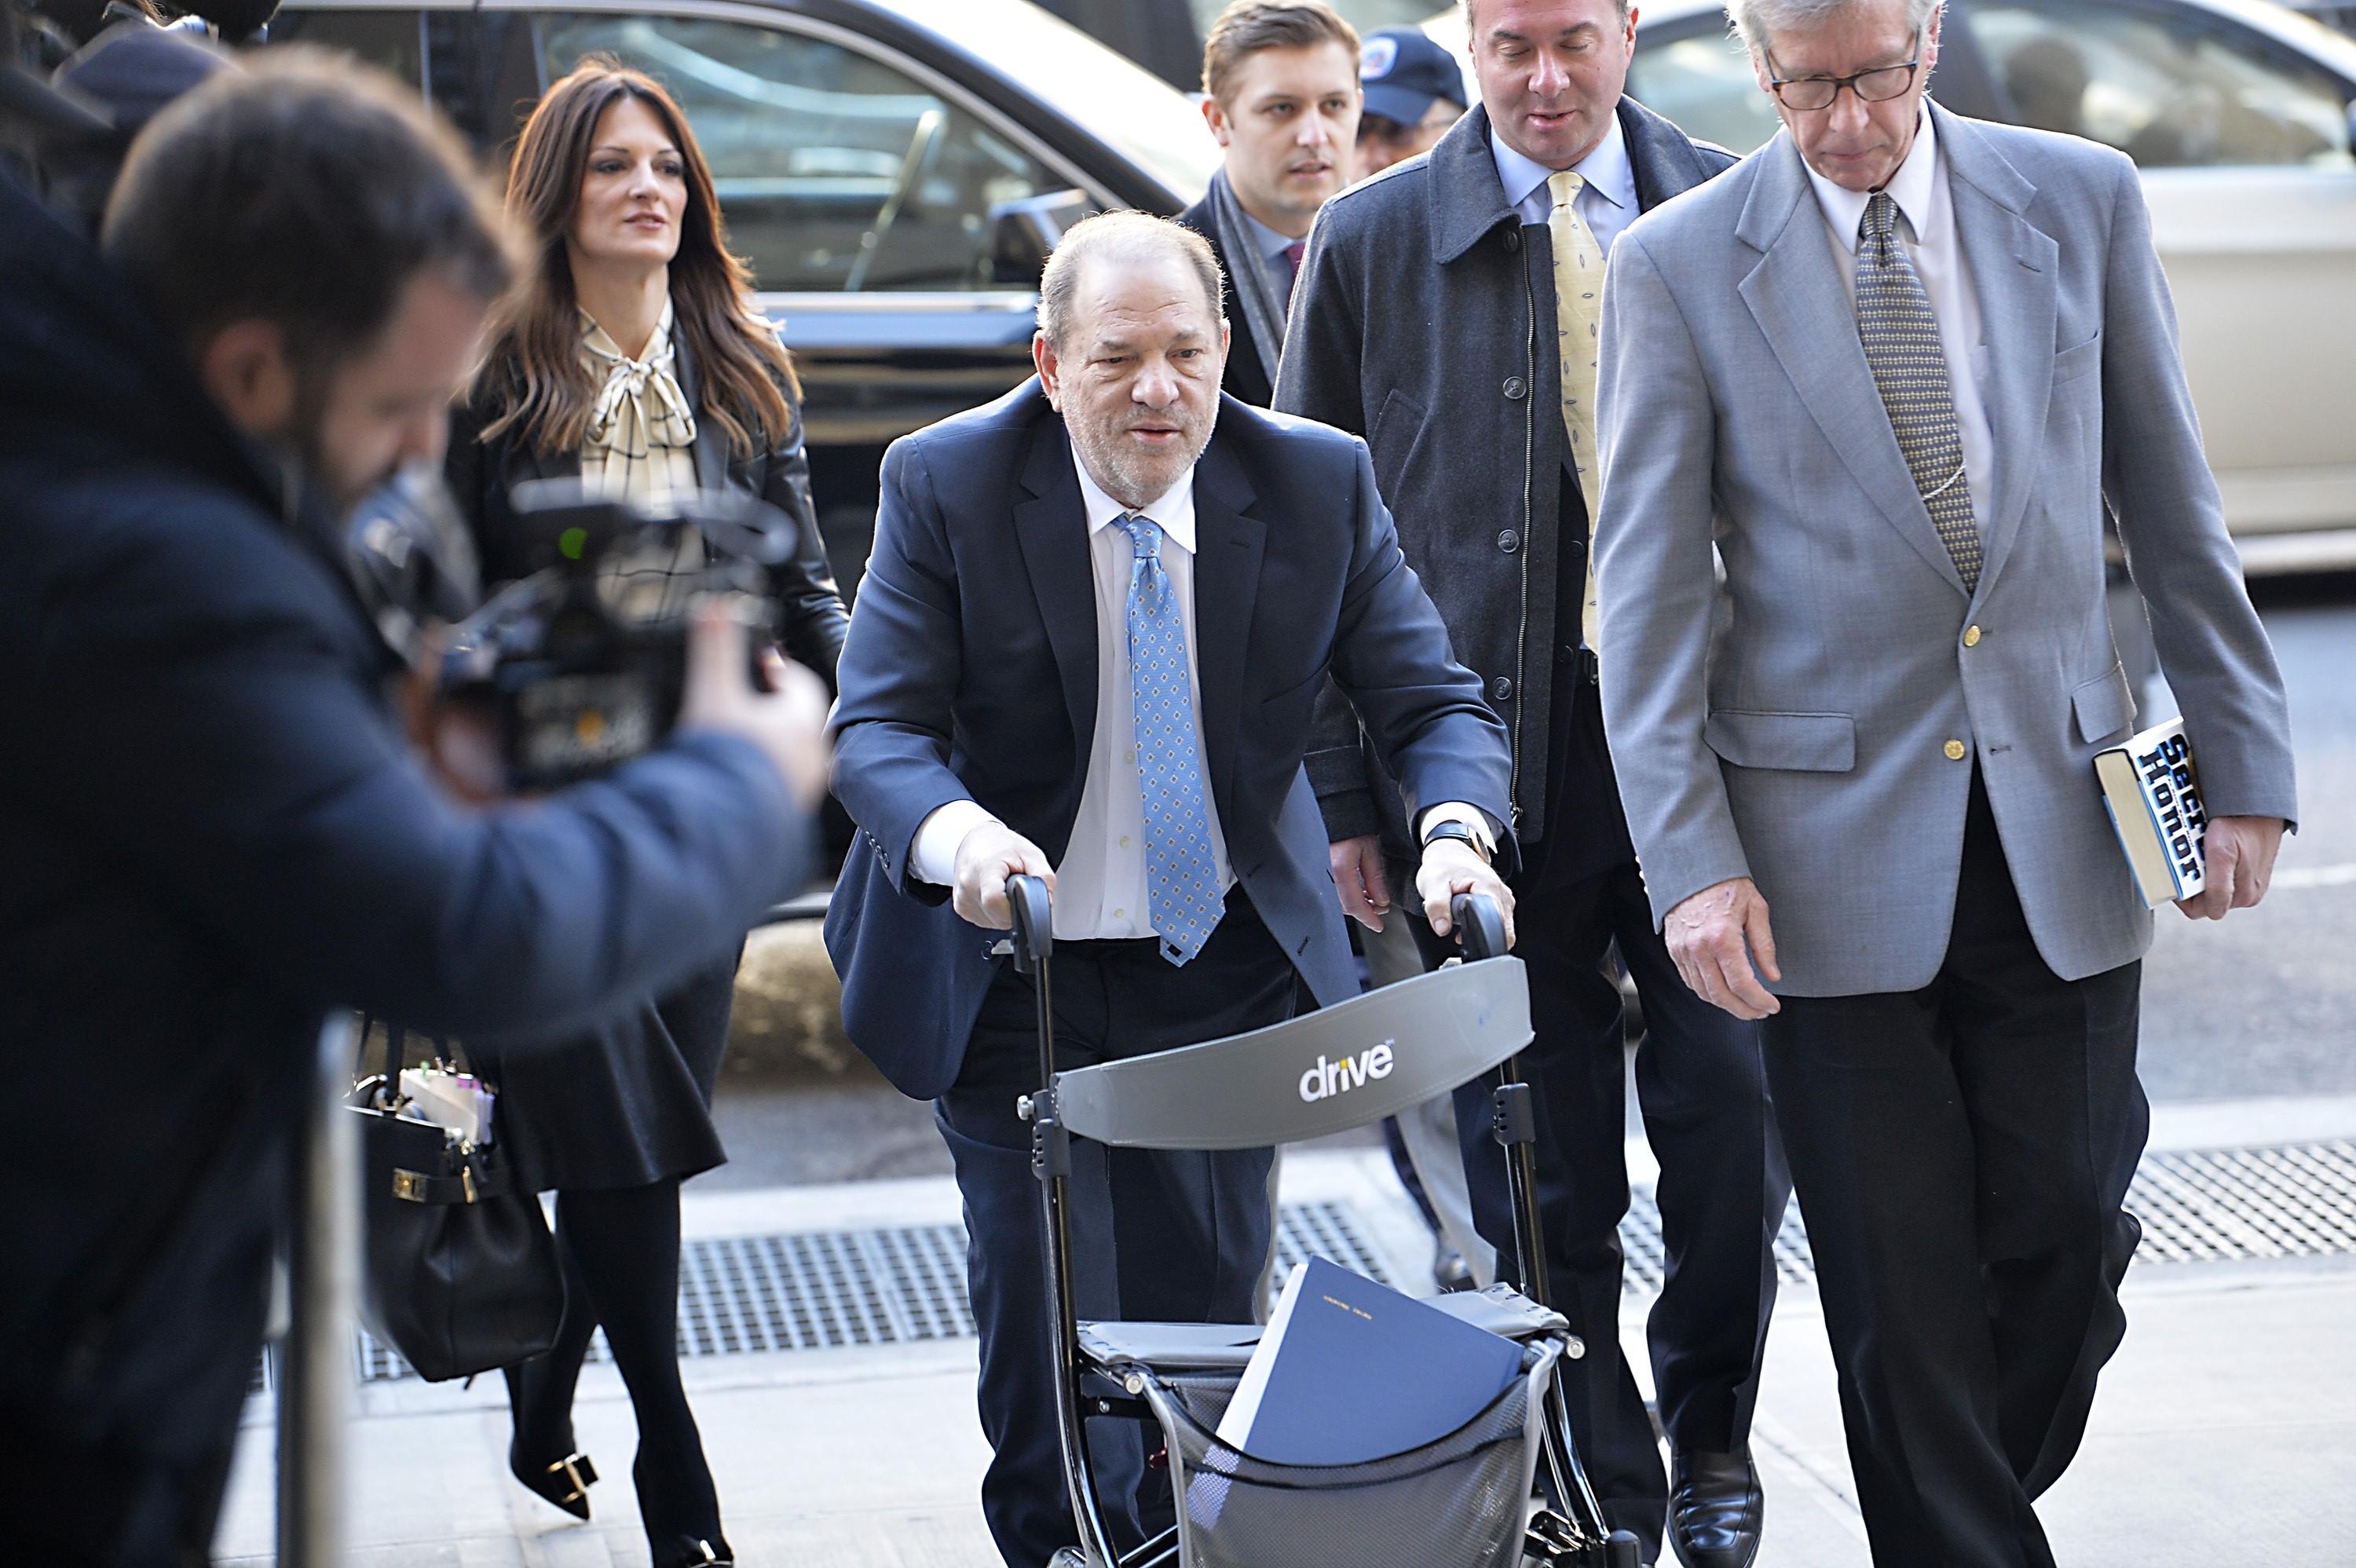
x=582 y=664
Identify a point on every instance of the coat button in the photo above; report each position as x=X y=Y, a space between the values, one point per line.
x=1513 y=240
x=1500 y=689
x=1509 y=541
x=1971 y=637
x=1515 y=388
x=1954 y=750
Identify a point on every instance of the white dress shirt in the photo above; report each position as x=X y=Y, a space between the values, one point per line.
x=1100 y=886
x=1608 y=202
x=1926 y=230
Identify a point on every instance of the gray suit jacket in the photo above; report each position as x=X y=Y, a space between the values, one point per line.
x=1792 y=723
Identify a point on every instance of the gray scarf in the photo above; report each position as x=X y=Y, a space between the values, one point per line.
x=1261 y=295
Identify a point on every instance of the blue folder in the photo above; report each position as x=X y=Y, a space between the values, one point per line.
x=1357 y=1372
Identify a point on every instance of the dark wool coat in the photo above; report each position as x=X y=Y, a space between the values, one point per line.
x=1245 y=379
x=211 y=833
x=1425 y=322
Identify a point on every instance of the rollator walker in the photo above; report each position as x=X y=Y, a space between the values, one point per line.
x=1463 y=1500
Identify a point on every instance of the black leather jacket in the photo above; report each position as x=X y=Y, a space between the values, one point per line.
x=811 y=618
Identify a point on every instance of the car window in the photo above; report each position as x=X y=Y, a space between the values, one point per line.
x=835 y=170
x=391 y=40
x=2167 y=93
x=1703 y=82
x=1142 y=118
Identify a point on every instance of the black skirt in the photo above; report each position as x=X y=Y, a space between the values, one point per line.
x=624 y=1105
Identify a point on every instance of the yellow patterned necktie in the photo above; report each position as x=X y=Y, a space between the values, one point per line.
x=1577 y=314
x=1910 y=370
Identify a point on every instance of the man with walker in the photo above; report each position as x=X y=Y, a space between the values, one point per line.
x=1097 y=613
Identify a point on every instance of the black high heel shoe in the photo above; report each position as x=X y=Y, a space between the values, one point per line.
x=565 y=1483
x=699 y=1554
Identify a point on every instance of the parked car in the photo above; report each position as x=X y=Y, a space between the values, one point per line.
x=895 y=173
x=2239 y=114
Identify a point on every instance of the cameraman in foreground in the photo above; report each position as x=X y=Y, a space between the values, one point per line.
x=211 y=831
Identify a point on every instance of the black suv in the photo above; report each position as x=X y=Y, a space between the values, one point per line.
x=895 y=173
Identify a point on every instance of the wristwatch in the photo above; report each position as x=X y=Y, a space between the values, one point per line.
x=1462 y=832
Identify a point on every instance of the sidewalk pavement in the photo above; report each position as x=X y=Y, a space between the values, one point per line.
x=2225 y=1430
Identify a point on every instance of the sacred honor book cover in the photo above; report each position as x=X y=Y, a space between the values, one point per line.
x=2153 y=793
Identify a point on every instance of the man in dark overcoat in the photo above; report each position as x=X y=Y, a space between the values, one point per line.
x=1446 y=312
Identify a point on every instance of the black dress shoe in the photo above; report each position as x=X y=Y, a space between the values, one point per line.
x=1714 y=1506
x=565 y=1482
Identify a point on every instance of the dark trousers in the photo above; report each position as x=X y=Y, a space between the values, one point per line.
x=1700 y=1083
x=1156 y=1235
x=1721 y=1188
x=1962 y=1154
x=620 y=1250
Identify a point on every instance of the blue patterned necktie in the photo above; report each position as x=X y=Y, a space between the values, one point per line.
x=1181 y=877
x=1909 y=368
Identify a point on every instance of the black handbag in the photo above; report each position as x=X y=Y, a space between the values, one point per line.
x=459 y=1273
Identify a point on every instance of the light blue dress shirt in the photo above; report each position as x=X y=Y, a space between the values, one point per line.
x=1609 y=202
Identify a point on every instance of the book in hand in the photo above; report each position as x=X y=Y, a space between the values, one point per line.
x=1348 y=1370
x=2153 y=793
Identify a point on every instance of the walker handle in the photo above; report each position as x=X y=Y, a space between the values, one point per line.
x=1034 y=931
x=1480 y=928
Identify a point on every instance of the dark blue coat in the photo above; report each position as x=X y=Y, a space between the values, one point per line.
x=970 y=670
x=211 y=833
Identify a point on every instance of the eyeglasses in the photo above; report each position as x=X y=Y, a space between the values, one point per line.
x=1879 y=85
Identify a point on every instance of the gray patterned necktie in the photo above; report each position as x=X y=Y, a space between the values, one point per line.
x=1910 y=370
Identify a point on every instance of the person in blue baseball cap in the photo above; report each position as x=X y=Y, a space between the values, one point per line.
x=1415 y=91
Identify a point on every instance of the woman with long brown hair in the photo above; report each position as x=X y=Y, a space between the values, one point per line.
x=635 y=358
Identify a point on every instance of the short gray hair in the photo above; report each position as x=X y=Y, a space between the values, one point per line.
x=1119 y=235
x=1755 y=20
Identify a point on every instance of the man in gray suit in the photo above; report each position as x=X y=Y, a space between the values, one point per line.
x=1894 y=366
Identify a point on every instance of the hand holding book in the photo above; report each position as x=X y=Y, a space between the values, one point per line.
x=2176 y=851
x=2242 y=852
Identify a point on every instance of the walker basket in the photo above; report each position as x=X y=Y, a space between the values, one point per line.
x=1461 y=1501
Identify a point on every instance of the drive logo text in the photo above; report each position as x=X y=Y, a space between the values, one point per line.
x=1328 y=1079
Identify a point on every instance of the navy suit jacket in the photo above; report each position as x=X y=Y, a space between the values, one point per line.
x=970 y=671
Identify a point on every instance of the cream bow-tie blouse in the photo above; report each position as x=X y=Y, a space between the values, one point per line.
x=641 y=447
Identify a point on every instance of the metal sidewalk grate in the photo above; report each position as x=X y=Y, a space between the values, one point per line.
x=836 y=1289
x=2296 y=1200
x=1328 y=1231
